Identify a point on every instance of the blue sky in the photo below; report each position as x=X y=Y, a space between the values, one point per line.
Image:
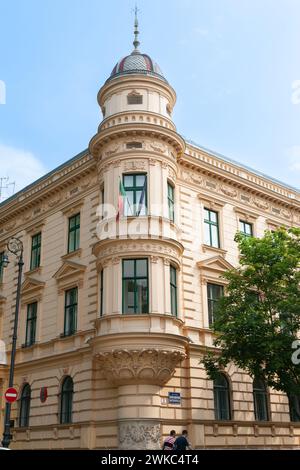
x=233 y=64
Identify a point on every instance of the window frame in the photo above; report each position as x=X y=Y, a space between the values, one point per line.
x=171 y=201
x=66 y=397
x=25 y=403
x=135 y=98
x=208 y=222
x=257 y=394
x=31 y=320
x=73 y=307
x=173 y=288
x=294 y=414
x=135 y=189
x=36 y=248
x=217 y=389
x=244 y=223
x=76 y=230
x=135 y=278
x=2 y=254
x=212 y=301
x=101 y=291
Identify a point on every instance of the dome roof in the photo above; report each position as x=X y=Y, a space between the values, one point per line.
x=136 y=62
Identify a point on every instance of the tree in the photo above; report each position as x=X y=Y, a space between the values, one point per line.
x=258 y=319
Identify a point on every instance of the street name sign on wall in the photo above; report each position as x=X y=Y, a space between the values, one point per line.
x=174 y=398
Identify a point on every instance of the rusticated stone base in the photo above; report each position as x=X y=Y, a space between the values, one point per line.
x=139 y=435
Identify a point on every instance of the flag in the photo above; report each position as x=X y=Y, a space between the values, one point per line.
x=121 y=201
x=142 y=198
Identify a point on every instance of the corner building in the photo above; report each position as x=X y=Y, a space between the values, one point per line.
x=109 y=326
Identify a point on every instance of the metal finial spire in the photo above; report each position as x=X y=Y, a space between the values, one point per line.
x=136 y=42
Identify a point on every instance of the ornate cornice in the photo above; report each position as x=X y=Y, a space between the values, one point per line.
x=237 y=177
x=216 y=185
x=134 y=129
x=106 y=250
x=135 y=81
x=58 y=189
x=144 y=366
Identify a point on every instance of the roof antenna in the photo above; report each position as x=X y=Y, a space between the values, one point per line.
x=136 y=42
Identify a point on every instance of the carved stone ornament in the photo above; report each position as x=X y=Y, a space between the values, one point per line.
x=158 y=147
x=261 y=204
x=135 y=165
x=228 y=191
x=144 y=366
x=112 y=150
x=139 y=435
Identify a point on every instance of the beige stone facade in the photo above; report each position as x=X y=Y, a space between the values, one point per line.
x=123 y=366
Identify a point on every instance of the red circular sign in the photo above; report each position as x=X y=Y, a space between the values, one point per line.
x=11 y=395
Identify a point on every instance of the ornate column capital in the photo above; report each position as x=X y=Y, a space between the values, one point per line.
x=144 y=366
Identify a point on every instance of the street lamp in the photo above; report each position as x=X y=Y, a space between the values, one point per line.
x=14 y=246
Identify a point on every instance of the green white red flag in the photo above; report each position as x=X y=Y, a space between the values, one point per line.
x=121 y=201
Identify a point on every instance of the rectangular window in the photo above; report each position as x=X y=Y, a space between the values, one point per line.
x=173 y=290
x=135 y=99
x=171 y=202
x=214 y=293
x=31 y=324
x=211 y=228
x=74 y=233
x=102 y=202
x=246 y=228
x=36 y=242
x=71 y=303
x=1 y=265
x=101 y=292
x=135 y=286
x=135 y=186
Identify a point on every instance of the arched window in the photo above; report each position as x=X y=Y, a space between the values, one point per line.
x=260 y=397
x=294 y=402
x=25 y=406
x=66 y=400
x=222 y=398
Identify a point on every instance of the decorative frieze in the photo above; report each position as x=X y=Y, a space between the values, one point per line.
x=139 y=435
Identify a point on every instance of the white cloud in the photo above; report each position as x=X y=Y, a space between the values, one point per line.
x=20 y=166
x=293 y=154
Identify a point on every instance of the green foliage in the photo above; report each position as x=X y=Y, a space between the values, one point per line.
x=259 y=317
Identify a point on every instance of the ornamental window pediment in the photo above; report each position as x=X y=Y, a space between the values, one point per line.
x=70 y=274
x=212 y=268
x=31 y=289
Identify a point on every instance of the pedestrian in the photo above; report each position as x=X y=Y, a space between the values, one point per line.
x=169 y=441
x=181 y=442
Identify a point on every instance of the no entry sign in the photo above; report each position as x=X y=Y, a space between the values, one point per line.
x=11 y=395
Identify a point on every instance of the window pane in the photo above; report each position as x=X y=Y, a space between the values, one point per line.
x=141 y=268
x=128 y=268
x=142 y=296
x=214 y=236
x=206 y=214
x=213 y=216
x=129 y=203
x=128 y=296
x=71 y=241
x=173 y=300
x=128 y=180
x=140 y=180
x=206 y=234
